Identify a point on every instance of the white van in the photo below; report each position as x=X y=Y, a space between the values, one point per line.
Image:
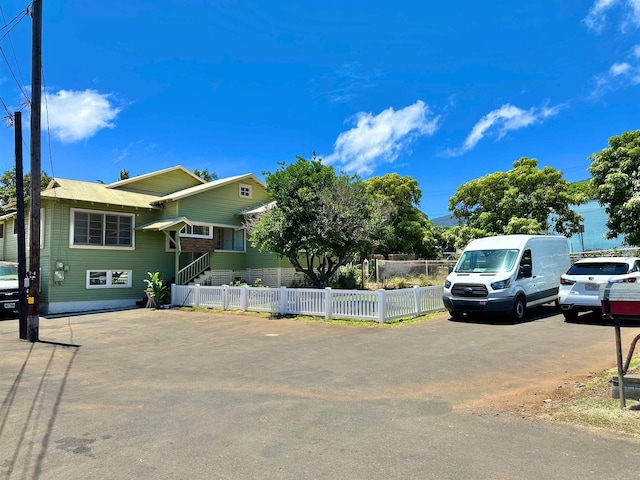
x=506 y=274
x=9 y=289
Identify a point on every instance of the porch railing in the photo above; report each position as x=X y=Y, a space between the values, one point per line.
x=195 y=268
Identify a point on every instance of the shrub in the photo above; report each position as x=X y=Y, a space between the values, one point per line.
x=347 y=277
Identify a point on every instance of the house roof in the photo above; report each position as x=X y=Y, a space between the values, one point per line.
x=164 y=224
x=187 y=192
x=97 y=193
x=82 y=191
x=177 y=169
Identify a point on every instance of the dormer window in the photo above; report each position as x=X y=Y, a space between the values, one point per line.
x=244 y=190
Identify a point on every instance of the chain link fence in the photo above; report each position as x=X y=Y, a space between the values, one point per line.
x=434 y=271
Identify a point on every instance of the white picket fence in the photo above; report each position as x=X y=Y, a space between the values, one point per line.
x=268 y=277
x=378 y=305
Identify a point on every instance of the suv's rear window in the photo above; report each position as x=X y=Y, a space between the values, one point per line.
x=599 y=269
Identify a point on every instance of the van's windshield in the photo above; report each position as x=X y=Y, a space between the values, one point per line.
x=8 y=272
x=487 y=261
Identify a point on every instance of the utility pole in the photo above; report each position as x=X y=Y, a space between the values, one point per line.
x=33 y=299
x=22 y=254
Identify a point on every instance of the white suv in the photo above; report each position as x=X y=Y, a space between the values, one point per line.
x=579 y=287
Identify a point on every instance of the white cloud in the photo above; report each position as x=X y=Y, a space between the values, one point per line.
x=502 y=120
x=597 y=20
x=74 y=116
x=620 y=75
x=619 y=69
x=380 y=138
x=634 y=15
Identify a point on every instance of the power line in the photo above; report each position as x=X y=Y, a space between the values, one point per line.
x=17 y=19
x=11 y=42
x=6 y=29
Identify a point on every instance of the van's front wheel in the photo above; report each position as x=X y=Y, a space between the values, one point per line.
x=519 y=308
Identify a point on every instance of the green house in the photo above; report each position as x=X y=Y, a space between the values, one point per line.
x=99 y=241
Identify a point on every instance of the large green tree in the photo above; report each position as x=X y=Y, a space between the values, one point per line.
x=526 y=199
x=319 y=221
x=616 y=177
x=205 y=174
x=409 y=229
x=8 y=186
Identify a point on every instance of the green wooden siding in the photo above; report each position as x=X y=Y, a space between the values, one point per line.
x=222 y=205
x=163 y=183
x=10 y=249
x=170 y=210
x=11 y=241
x=149 y=255
x=228 y=261
x=258 y=259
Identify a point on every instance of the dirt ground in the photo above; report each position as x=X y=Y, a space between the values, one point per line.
x=549 y=389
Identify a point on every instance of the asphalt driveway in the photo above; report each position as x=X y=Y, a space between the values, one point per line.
x=189 y=395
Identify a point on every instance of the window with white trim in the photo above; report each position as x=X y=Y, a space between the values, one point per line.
x=170 y=241
x=229 y=239
x=244 y=190
x=91 y=228
x=109 y=278
x=197 y=230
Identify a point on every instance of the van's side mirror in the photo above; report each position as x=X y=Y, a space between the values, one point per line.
x=525 y=271
x=450 y=269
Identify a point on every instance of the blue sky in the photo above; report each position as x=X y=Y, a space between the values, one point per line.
x=444 y=92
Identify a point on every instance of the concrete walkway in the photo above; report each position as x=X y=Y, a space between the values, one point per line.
x=190 y=395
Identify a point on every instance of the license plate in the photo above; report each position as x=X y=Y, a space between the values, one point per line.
x=591 y=286
x=9 y=305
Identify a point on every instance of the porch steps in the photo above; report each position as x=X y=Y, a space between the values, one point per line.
x=200 y=278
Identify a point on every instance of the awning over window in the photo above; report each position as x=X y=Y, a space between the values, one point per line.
x=165 y=224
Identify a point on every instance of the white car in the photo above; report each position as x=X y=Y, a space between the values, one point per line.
x=579 y=287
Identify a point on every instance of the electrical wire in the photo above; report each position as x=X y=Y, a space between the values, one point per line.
x=6 y=29
x=17 y=21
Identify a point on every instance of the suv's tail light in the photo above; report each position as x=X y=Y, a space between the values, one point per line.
x=566 y=281
x=630 y=280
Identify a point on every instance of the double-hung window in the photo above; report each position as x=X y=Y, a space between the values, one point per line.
x=90 y=228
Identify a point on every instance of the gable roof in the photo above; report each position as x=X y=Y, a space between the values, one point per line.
x=140 y=182
x=81 y=191
x=208 y=186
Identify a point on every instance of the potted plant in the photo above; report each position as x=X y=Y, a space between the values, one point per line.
x=157 y=292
